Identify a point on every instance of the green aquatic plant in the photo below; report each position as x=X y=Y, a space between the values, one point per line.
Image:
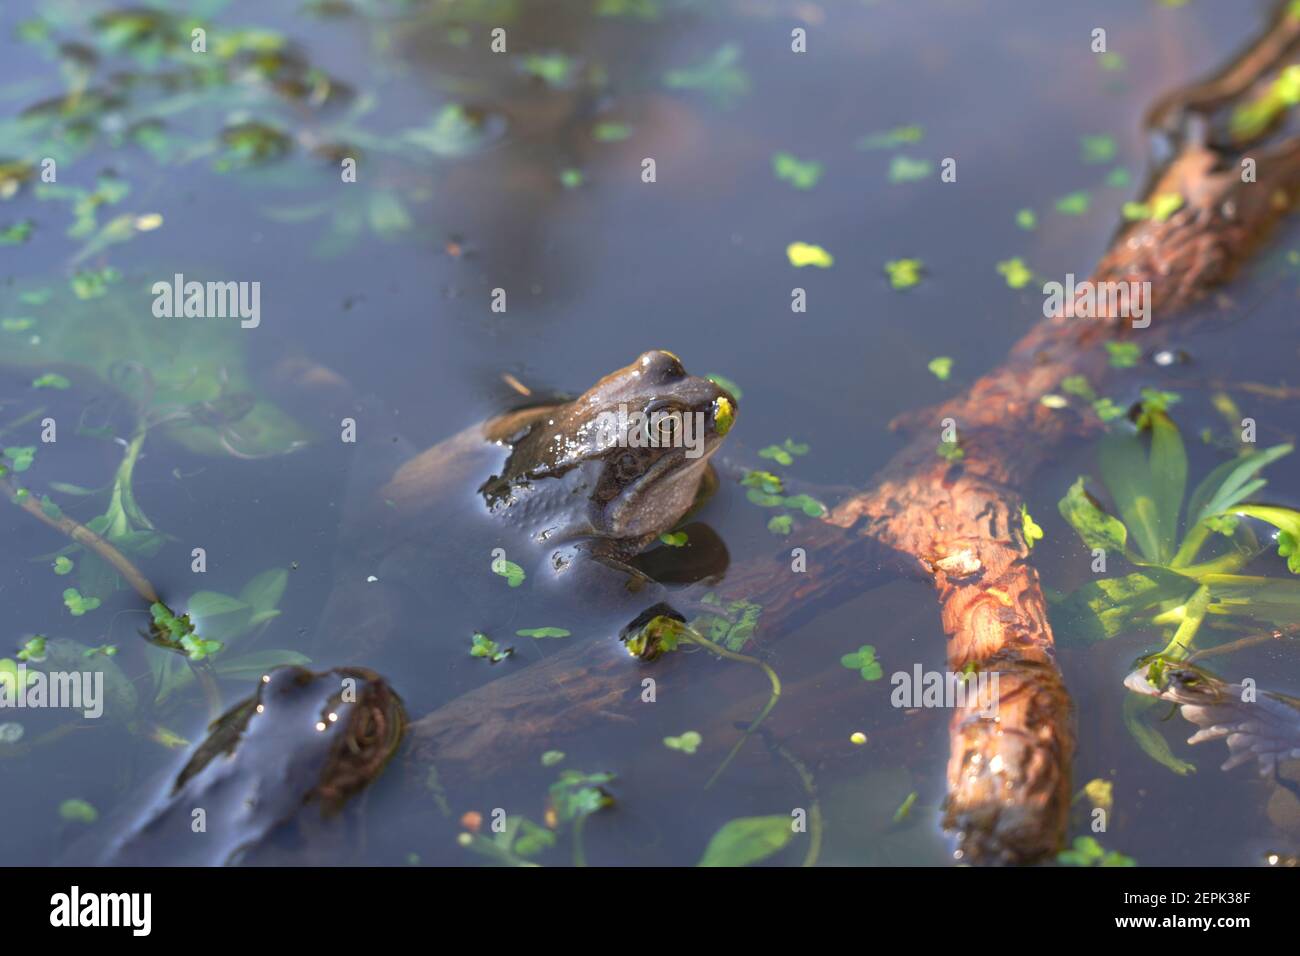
x=940 y=367
x=687 y=743
x=747 y=840
x=1147 y=486
x=78 y=811
x=1074 y=204
x=1017 y=274
x=784 y=454
x=539 y=632
x=803 y=254
x=1186 y=561
x=720 y=76
x=903 y=273
x=664 y=633
x=799 y=173
x=1086 y=851
x=512 y=572
x=891 y=138
x=1097 y=149
x=77 y=603
x=904 y=169
x=483 y=646
x=1029 y=529
x=863 y=660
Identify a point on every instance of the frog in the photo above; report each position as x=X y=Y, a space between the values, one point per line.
x=1258 y=725
x=556 y=493
x=288 y=757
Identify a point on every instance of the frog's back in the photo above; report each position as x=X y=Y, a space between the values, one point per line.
x=290 y=749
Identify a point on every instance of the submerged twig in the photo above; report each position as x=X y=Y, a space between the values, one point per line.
x=79 y=533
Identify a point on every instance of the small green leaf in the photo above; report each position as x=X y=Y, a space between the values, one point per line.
x=940 y=367
x=1075 y=204
x=1029 y=528
x=803 y=254
x=904 y=169
x=543 y=632
x=1017 y=274
x=63 y=565
x=780 y=524
x=512 y=572
x=801 y=174
x=687 y=743
x=51 y=380
x=78 y=811
x=483 y=646
x=863 y=660
x=747 y=840
x=610 y=132
x=903 y=273
x=1097 y=149
x=77 y=604
x=905 y=808
x=891 y=139
x=1123 y=354
x=675 y=539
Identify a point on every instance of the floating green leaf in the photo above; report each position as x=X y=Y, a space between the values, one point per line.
x=903 y=273
x=77 y=604
x=863 y=660
x=904 y=169
x=687 y=743
x=512 y=572
x=1017 y=274
x=78 y=811
x=803 y=254
x=940 y=367
x=1075 y=204
x=1097 y=149
x=747 y=840
x=720 y=76
x=801 y=174
x=891 y=139
x=483 y=646
x=543 y=632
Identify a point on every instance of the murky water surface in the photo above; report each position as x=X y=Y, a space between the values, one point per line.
x=523 y=171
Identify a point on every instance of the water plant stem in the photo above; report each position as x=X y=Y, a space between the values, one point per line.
x=694 y=637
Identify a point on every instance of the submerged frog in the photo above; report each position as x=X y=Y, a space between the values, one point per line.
x=301 y=746
x=539 y=493
x=1258 y=725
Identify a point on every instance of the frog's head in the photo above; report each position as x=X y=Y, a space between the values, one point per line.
x=1178 y=683
x=642 y=435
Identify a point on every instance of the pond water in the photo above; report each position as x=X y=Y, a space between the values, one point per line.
x=522 y=171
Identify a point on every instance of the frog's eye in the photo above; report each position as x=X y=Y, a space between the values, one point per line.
x=663 y=424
